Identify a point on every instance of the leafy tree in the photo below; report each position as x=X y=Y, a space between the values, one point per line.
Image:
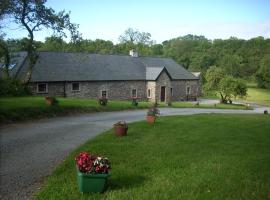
x=226 y=86
x=263 y=74
x=33 y=15
x=4 y=56
x=135 y=37
x=231 y=87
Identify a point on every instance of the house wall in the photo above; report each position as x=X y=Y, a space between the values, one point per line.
x=180 y=89
x=119 y=90
x=163 y=80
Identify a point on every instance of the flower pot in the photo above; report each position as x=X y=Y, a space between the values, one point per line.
x=120 y=131
x=48 y=101
x=92 y=182
x=150 y=119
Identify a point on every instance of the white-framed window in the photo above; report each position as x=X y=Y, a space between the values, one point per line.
x=188 y=90
x=104 y=94
x=134 y=93
x=75 y=87
x=171 y=92
x=42 y=88
x=149 y=93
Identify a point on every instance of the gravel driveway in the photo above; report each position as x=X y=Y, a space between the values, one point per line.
x=31 y=150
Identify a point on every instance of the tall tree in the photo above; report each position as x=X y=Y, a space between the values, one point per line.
x=33 y=15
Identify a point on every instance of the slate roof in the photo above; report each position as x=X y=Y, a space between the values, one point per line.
x=60 y=66
x=16 y=61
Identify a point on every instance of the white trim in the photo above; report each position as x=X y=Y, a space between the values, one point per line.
x=75 y=90
x=132 y=93
x=42 y=92
x=106 y=93
x=149 y=96
x=165 y=96
x=188 y=86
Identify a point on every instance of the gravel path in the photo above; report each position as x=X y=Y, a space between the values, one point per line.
x=30 y=151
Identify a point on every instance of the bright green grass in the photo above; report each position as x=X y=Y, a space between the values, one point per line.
x=185 y=157
x=254 y=94
x=217 y=106
x=23 y=108
x=261 y=96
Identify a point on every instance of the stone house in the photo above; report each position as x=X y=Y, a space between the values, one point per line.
x=120 y=77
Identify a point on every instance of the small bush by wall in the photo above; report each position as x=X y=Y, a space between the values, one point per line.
x=13 y=87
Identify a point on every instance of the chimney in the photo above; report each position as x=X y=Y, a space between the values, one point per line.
x=133 y=53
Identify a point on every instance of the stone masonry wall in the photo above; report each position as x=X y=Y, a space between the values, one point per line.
x=119 y=90
x=180 y=89
x=163 y=80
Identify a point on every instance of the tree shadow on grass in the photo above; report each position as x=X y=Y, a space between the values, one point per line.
x=122 y=182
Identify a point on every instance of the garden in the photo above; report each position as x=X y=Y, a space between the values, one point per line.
x=213 y=156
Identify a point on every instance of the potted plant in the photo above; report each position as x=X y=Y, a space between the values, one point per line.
x=135 y=101
x=103 y=101
x=120 y=128
x=152 y=113
x=51 y=101
x=92 y=172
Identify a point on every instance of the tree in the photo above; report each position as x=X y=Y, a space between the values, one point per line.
x=263 y=74
x=4 y=56
x=231 y=87
x=226 y=86
x=33 y=16
x=136 y=37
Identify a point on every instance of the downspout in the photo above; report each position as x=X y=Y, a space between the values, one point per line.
x=65 y=95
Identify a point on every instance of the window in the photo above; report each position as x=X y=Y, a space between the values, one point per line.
x=75 y=86
x=149 y=93
x=171 y=91
x=188 y=90
x=134 y=93
x=104 y=94
x=42 y=88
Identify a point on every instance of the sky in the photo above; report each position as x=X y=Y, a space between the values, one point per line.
x=164 y=19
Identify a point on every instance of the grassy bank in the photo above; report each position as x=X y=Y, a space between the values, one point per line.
x=25 y=108
x=184 y=157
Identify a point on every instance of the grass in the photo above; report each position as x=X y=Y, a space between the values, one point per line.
x=25 y=108
x=258 y=95
x=254 y=94
x=210 y=156
x=217 y=106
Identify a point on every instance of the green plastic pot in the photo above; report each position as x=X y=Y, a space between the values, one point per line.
x=92 y=182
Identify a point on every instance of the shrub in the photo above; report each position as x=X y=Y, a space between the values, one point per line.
x=13 y=87
x=265 y=112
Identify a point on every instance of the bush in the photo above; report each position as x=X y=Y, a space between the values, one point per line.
x=13 y=87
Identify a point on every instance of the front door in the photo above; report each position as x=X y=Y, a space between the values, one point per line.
x=162 y=93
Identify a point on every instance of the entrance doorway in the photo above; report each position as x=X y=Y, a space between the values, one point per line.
x=162 y=93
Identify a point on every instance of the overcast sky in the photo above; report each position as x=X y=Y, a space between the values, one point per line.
x=164 y=19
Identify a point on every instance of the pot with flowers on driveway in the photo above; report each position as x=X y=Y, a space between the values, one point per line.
x=152 y=114
x=92 y=172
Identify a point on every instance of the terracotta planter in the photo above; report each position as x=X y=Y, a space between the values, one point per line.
x=120 y=131
x=150 y=119
x=48 y=101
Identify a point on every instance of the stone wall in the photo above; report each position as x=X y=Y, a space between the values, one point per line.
x=120 y=90
x=180 y=89
x=163 y=80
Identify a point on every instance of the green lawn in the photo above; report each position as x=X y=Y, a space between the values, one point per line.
x=210 y=156
x=261 y=96
x=23 y=108
x=254 y=94
x=217 y=106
